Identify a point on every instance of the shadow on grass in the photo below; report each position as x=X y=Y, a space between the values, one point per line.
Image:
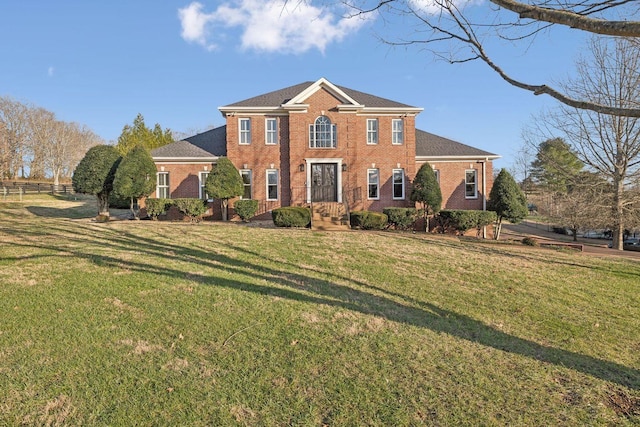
x=286 y=280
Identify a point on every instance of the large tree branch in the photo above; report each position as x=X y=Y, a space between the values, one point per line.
x=571 y=19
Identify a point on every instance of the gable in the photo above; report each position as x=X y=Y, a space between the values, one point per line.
x=294 y=98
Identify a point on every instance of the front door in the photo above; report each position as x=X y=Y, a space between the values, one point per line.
x=323 y=182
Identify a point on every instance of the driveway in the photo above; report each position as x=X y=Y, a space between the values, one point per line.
x=541 y=232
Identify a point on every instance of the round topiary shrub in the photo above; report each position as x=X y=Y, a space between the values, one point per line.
x=246 y=209
x=156 y=207
x=291 y=216
x=401 y=218
x=367 y=220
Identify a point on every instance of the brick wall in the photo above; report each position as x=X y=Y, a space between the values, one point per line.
x=452 y=183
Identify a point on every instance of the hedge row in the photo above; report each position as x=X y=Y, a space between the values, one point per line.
x=291 y=216
x=464 y=220
x=367 y=220
x=191 y=208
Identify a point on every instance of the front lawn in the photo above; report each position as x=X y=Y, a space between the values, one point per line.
x=160 y=323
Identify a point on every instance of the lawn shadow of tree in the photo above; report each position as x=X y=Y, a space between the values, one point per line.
x=289 y=281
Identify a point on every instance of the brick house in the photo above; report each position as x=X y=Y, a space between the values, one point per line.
x=319 y=142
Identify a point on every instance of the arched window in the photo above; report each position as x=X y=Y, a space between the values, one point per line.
x=322 y=133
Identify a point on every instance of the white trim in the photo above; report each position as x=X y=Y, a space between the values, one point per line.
x=266 y=176
x=377 y=131
x=321 y=83
x=393 y=184
x=394 y=133
x=430 y=159
x=266 y=131
x=201 y=190
x=475 y=196
x=337 y=161
x=377 y=170
x=242 y=132
x=250 y=183
x=185 y=160
x=167 y=185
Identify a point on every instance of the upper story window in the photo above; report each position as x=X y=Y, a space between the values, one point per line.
x=271 y=131
x=322 y=134
x=437 y=172
x=162 y=188
x=397 y=131
x=398 y=184
x=244 y=126
x=372 y=131
x=471 y=184
x=246 y=183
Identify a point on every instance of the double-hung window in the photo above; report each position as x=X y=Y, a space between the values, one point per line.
x=373 y=184
x=372 y=131
x=203 y=180
x=398 y=184
x=162 y=188
x=397 y=131
x=246 y=183
x=244 y=130
x=471 y=184
x=271 y=131
x=322 y=133
x=272 y=184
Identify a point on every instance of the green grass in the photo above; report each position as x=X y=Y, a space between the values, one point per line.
x=160 y=323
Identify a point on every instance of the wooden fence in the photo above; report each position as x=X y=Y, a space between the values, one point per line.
x=18 y=188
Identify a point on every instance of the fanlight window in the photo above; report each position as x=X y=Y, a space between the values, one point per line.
x=322 y=134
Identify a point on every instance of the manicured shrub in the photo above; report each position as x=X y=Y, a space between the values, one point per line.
x=462 y=221
x=401 y=218
x=157 y=207
x=191 y=208
x=367 y=220
x=529 y=241
x=246 y=209
x=291 y=216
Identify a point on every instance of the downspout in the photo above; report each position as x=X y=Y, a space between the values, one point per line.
x=484 y=194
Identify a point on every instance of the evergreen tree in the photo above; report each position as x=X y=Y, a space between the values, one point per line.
x=556 y=165
x=426 y=191
x=224 y=182
x=135 y=177
x=507 y=200
x=95 y=173
x=140 y=134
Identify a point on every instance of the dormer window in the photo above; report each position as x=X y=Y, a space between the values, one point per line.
x=322 y=134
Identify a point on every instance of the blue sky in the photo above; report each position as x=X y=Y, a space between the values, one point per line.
x=102 y=63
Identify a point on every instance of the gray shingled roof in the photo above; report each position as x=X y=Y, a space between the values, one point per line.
x=281 y=96
x=430 y=145
x=212 y=143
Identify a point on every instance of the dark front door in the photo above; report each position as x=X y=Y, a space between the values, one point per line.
x=323 y=182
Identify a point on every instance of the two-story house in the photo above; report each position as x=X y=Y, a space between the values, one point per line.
x=319 y=142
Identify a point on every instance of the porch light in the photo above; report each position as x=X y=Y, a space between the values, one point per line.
x=344 y=167
x=301 y=167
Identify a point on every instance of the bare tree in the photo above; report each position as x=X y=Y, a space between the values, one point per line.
x=609 y=145
x=452 y=31
x=14 y=121
x=42 y=127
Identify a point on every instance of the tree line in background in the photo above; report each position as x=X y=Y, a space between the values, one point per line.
x=34 y=144
x=586 y=172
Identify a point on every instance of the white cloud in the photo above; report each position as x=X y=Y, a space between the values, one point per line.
x=267 y=25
